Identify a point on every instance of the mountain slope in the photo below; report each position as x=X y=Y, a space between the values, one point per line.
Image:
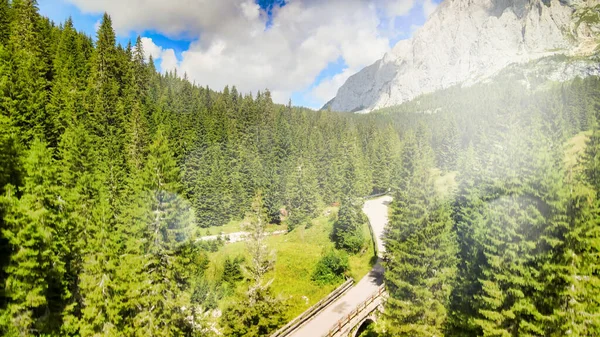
x=467 y=41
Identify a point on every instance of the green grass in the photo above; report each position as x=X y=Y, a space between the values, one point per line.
x=297 y=253
x=234 y=226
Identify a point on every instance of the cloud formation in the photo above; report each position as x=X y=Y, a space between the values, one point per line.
x=235 y=42
x=429 y=7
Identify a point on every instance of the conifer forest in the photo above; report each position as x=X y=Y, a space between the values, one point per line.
x=111 y=173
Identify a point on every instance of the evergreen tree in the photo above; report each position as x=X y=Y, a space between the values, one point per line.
x=450 y=146
x=257 y=316
x=261 y=259
x=420 y=248
x=165 y=226
x=576 y=258
x=105 y=120
x=79 y=180
x=347 y=230
x=569 y=273
x=301 y=193
x=231 y=271
x=25 y=91
x=5 y=18
x=258 y=313
x=66 y=95
x=468 y=208
x=36 y=234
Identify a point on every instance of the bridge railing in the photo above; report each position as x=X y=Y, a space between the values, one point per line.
x=341 y=323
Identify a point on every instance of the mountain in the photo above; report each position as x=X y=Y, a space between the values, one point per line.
x=469 y=41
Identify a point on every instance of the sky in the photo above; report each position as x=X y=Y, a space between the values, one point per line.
x=302 y=50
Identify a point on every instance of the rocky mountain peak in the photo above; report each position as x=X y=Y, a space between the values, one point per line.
x=468 y=41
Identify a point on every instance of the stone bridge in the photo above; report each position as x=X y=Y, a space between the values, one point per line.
x=358 y=319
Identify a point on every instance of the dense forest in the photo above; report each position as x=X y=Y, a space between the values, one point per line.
x=515 y=249
x=110 y=171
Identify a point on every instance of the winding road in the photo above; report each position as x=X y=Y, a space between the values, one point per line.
x=377 y=212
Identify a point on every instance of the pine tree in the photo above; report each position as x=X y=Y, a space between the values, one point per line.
x=261 y=259
x=347 y=230
x=134 y=92
x=258 y=313
x=105 y=119
x=527 y=210
x=98 y=288
x=25 y=91
x=577 y=247
x=66 y=95
x=161 y=225
x=210 y=191
x=301 y=190
x=420 y=248
x=36 y=233
x=5 y=18
x=354 y=179
x=509 y=282
x=575 y=283
x=450 y=146
x=78 y=176
x=468 y=208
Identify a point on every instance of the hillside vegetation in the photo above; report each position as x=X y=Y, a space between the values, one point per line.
x=110 y=172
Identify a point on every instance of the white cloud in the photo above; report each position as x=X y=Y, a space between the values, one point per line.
x=169 y=61
x=232 y=46
x=167 y=57
x=397 y=8
x=151 y=49
x=328 y=87
x=429 y=7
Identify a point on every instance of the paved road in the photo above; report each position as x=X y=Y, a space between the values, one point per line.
x=377 y=211
x=319 y=325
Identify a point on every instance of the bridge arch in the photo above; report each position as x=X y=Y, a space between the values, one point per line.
x=364 y=325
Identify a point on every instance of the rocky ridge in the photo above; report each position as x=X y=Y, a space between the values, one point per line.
x=469 y=41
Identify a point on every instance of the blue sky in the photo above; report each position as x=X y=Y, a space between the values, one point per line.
x=298 y=49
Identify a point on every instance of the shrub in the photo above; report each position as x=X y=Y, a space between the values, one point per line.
x=332 y=267
x=231 y=270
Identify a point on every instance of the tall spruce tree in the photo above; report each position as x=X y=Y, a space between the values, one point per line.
x=5 y=17
x=36 y=233
x=420 y=247
x=166 y=226
x=347 y=230
x=25 y=92
x=301 y=190
x=467 y=215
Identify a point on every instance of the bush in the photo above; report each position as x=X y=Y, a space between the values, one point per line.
x=231 y=270
x=332 y=267
x=206 y=294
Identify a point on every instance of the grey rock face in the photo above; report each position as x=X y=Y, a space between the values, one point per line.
x=467 y=41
